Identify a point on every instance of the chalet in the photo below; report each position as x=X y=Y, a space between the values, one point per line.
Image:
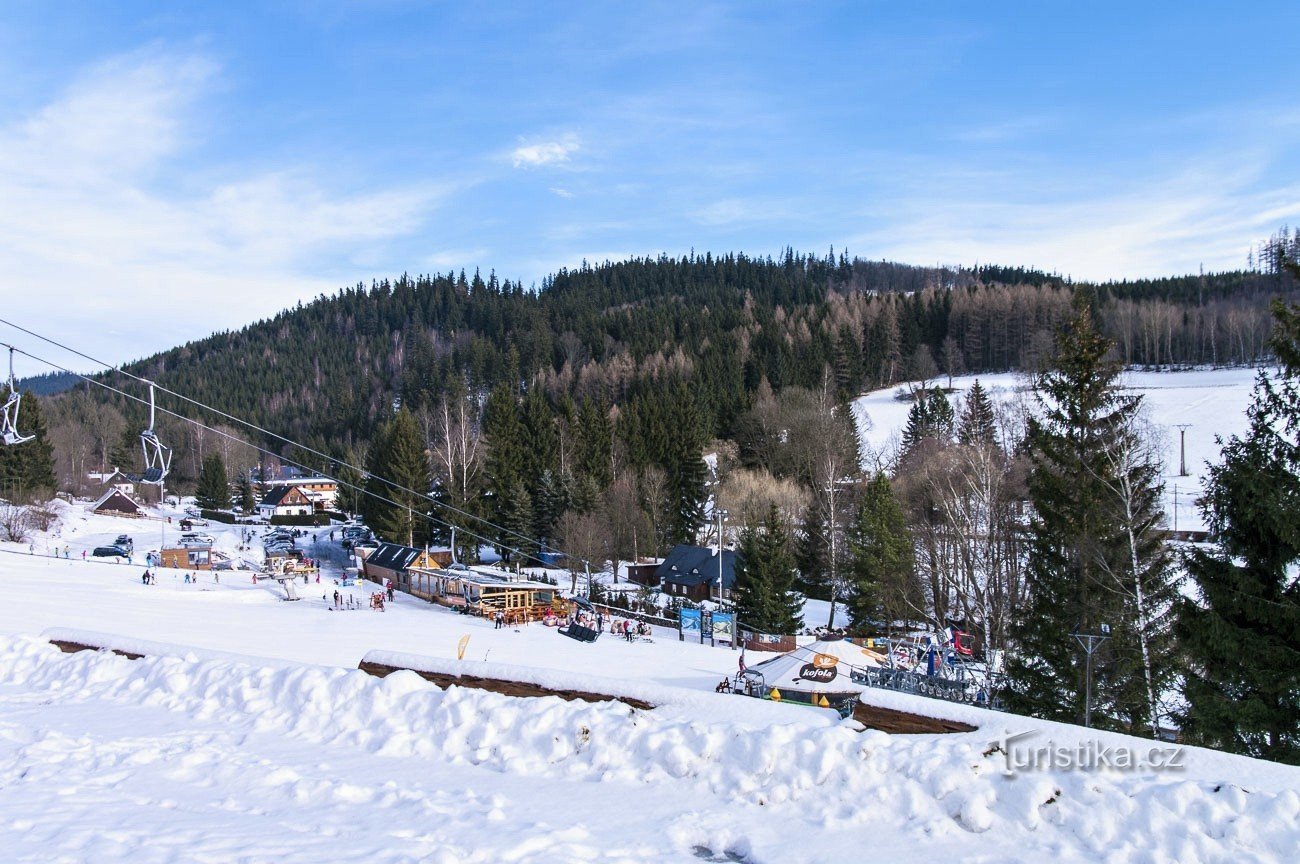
x=322 y=492
x=114 y=478
x=285 y=501
x=390 y=561
x=115 y=502
x=644 y=573
x=693 y=572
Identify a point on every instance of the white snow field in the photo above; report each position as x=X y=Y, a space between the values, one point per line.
x=246 y=733
x=1212 y=402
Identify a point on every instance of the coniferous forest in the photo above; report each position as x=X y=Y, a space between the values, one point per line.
x=578 y=416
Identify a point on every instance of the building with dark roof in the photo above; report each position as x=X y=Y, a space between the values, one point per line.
x=692 y=572
x=391 y=561
x=285 y=501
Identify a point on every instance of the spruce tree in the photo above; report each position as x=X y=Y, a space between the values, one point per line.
x=213 y=490
x=683 y=464
x=400 y=481
x=1241 y=634
x=882 y=559
x=247 y=498
x=27 y=469
x=764 y=594
x=977 y=426
x=1076 y=541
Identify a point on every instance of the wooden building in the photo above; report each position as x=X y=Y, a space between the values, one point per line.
x=115 y=502
x=644 y=573
x=694 y=572
x=188 y=558
x=485 y=592
x=390 y=561
x=285 y=501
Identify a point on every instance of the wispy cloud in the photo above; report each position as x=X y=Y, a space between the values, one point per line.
x=560 y=193
x=88 y=209
x=541 y=153
x=1206 y=211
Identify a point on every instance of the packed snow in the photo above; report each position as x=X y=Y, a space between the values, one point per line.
x=246 y=733
x=1212 y=402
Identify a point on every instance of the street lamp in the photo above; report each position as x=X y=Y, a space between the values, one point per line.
x=1182 y=447
x=722 y=514
x=1090 y=643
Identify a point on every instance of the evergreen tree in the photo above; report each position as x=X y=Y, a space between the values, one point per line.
x=595 y=445
x=400 y=481
x=930 y=417
x=683 y=464
x=812 y=550
x=350 y=483
x=1077 y=542
x=881 y=559
x=247 y=498
x=1242 y=634
x=27 y=469
x=126 y=452
x=764 y=593
x=213 y=490
x=978 y=426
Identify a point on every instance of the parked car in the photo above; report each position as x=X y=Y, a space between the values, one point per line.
x=125 y=542
x=110 y=552
x=188 y=540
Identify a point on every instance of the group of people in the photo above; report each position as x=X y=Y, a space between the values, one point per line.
x=630 y=629
x=148 y=579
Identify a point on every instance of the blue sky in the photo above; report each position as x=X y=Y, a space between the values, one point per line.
x=170 y=173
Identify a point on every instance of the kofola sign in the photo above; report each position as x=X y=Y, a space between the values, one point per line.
x=821 y=669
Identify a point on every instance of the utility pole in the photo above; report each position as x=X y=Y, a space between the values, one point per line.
x=722 y=514
x=1090 y=643
x=1182 y=447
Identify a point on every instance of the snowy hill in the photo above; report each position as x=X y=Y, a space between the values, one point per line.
x=1213 y=402
x=247 y=733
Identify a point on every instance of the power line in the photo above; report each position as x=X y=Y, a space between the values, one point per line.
x=255 y=428
x=261 y=449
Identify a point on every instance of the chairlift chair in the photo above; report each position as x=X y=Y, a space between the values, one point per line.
x=9 y=420
x=157 y=455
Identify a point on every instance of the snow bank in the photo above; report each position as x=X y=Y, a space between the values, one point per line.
x=815 y=781
x=677 y=701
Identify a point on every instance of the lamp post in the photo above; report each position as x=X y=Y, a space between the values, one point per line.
x=1182 y=447
x=1090 y=643
x=722 y=514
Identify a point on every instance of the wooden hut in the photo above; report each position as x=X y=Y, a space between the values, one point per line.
x=188 y=557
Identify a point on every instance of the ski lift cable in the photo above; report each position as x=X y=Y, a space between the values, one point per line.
x=260 y=449
x=255 y=428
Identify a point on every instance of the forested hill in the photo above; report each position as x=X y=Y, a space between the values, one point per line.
x=329 y=370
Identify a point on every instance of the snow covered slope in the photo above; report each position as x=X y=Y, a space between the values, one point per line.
x=248 y=734
x=1213 y=402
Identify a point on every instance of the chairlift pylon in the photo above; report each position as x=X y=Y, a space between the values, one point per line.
x=157 y=456
x=9 y=419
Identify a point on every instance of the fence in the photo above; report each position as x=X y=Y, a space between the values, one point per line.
x=968 y=689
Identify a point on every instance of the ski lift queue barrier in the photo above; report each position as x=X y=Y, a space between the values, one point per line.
x=961 y=690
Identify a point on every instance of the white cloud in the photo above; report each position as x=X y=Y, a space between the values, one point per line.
x=560 y=193
x=89 y=218
x=1204 y=214
x=542 y=153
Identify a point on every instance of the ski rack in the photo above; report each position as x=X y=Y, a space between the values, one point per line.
x=157 y=456
x=9 y=419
